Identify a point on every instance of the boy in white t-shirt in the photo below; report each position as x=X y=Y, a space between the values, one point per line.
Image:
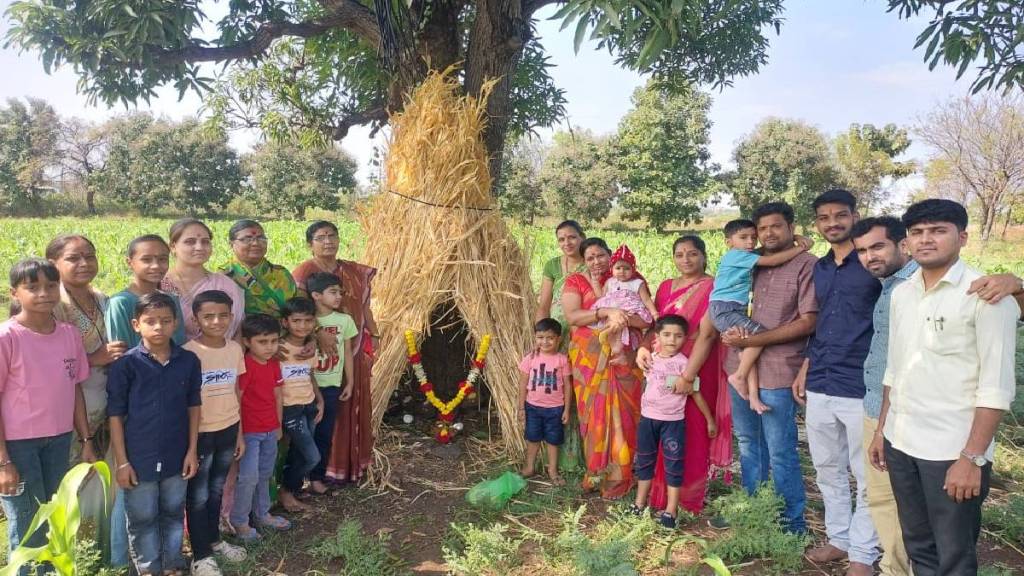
x=544 y=397
x=220 y=440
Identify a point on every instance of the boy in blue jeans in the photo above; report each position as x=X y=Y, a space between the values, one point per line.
x=303 y=403
x=261 y=428
x=153 y=399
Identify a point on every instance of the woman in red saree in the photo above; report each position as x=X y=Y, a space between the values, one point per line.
x=688 y=295
x=607 y=395
x=352 y=445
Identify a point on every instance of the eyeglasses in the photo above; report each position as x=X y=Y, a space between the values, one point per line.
x=325 y=238
x=247 y=240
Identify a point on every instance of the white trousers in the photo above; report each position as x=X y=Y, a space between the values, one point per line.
x=835 y=432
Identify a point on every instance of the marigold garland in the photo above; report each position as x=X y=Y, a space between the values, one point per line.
x=446 y=410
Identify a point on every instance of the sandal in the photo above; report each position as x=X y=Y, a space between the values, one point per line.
x=275 y=522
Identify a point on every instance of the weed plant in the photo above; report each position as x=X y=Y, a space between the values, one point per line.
x=756 y=532
x=359 y=553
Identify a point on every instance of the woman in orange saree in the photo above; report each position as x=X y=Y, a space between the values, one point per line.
x=352 y=444
x=607 y=395
x=688 y=295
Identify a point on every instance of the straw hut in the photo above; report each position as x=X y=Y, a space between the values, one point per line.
x=438 y=241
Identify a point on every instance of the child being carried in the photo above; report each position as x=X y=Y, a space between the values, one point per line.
x=626 y=290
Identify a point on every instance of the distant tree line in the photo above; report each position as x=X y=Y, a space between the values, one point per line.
x=51 y=165
x=656 y=167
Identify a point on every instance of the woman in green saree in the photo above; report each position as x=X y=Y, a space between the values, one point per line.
x=556 y=270
x=267 y=286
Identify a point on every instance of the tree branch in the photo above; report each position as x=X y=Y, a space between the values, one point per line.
x=341 y=128
x=531 y=6
x=347 y=14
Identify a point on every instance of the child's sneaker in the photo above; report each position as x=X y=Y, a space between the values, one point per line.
x=206 y=567
x=230 y=552
x=634 y=510
x=667 y=520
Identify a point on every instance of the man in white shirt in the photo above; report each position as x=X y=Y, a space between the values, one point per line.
x=949 y=378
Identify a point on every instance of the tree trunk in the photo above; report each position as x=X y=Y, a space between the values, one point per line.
x=496 y=43
x=90 y=200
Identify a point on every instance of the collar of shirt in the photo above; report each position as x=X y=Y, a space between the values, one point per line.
x=175 y=353
x=951 y=277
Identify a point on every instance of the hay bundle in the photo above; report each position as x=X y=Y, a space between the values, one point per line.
x=436 y=238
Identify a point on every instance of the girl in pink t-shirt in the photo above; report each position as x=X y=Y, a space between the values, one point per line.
x=42 y=366
x=661 y=418
x=544 y=397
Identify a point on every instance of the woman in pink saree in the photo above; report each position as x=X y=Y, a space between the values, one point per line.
x=607 y=395
x=688 y=295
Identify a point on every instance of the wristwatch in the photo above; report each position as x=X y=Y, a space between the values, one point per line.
x=978 y=460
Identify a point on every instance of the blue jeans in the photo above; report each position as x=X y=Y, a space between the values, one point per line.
x=118 y=530
x=156 y=523
x=302 y=451
x=324 y=434
x=768 y=444
x=252 y=493
x=41 y=464
x=216 y=453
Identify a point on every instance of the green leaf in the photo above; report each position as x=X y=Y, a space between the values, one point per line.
x=717 y=565
x=581 y=34
x=128 y=9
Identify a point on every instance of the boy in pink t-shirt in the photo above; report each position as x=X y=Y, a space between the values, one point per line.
x=544 y=397
x=661 y=418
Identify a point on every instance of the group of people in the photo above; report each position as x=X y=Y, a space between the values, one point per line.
x=185 y=382
x=901 y=355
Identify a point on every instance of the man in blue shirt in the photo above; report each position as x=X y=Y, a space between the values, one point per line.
x=881 y=246
x=153 y=399
x=831 y=385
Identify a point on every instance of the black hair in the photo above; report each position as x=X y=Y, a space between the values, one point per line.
x=259 y=325
x=321 y=281
x=316 y=227
x=29 y=269
x=894 y=228
x=672 y=320
x=240 y=225
x=780 y=208
x=179 y=227
x=571 y=224
x=548 y=325
x=155 y=301
x=734 y=226
x=697 y=242
x=298 y=305
x=134 y=244
x=211 y=297
x=835 y=196
x=55 y=248
x=936 y=210
x=595 y=241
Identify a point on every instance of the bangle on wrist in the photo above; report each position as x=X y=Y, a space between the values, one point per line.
x=125 y=465
x=85 y=439
x=5 y=463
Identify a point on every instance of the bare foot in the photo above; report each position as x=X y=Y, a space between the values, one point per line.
x=527 y=472
x=291 y=503
x=318 y=487
x=760 y=407
x=739 y=385
x=555 y=478
x=859 y=569
x=825 y=554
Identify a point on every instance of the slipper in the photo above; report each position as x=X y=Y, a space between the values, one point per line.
x=275 y=522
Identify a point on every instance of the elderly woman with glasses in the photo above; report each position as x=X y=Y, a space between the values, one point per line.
x=267 y=286
x=352 y=446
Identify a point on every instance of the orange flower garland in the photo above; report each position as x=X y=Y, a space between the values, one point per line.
x=446 y=410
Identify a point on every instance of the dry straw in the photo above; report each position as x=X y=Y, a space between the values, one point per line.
x=433 y=246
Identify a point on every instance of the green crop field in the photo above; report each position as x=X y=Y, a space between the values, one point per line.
x=22 y=238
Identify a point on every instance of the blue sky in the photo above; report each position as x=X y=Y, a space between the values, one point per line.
x=836 y=62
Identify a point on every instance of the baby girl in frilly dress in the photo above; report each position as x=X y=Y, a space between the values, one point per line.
x=626 y=290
